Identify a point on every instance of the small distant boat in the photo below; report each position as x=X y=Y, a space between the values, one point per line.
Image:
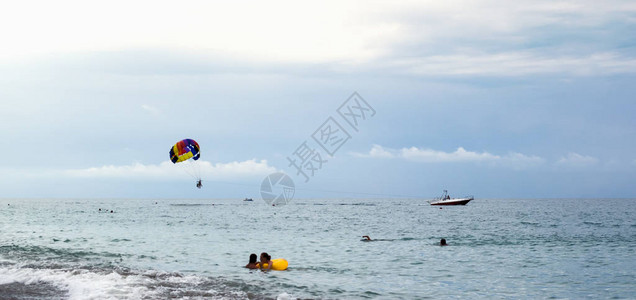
x=445 y=199
x=248 y=199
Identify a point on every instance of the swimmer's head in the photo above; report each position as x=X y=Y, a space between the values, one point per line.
x=265 y=256
x=442 y=242
x=253 y=258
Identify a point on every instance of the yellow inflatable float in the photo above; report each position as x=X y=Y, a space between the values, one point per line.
x=278 y=264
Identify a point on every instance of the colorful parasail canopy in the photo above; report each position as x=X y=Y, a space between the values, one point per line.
x=184 y=150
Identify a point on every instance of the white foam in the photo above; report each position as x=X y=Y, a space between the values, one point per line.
x=85 y=284
x=285 y=296
x=81 y=284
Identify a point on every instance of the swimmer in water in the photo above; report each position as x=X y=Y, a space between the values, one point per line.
x=366 y=238
x=266 y=259
x=253 y=264
x=443 y=242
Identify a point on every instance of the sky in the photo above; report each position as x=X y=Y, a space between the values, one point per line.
x=498 y=99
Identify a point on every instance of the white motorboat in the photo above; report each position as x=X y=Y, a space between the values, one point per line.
x=445 y=199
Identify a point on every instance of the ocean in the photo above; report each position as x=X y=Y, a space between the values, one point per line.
x=197 y=249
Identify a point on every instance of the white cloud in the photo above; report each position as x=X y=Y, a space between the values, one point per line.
x=459 y=37
x=490 y=38
x=521 y=161
x=151 y=109
x=573 y=159
x=518 y=64
x=278 y=30
x=459 y=155
x=168 y=170
x=513 y=159
x=376 y=151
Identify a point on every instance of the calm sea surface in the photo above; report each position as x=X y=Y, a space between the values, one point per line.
x=196 y=249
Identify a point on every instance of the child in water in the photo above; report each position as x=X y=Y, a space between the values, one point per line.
x=253 y=264
x=266 y=259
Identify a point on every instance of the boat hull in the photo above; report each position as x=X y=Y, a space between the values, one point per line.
x=452 y=202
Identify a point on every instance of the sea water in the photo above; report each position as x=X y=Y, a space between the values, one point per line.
x=197 y=249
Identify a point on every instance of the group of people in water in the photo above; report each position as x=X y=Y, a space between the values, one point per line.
x=266 y=259
x=266 y=263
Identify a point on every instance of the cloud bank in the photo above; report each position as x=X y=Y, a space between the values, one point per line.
x=431 y=38
x=518 y=64
x=168 y=170
x=513 y=160
x=576 y=160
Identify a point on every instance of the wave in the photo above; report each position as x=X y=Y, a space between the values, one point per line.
x=35 y=272
x=530 y=223
x=42 y=254
x=341 y=204
x=21 y=291
x=593 y=223
x=114 y=283
x=192 y=205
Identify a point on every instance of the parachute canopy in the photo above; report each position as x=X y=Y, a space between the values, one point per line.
x=184 y=150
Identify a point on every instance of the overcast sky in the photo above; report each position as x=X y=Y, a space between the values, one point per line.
x=523 y=99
